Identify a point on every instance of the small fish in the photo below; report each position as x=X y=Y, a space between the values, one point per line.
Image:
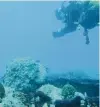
x=38 y=61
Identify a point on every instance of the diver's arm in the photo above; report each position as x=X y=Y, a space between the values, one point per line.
x=65 y=30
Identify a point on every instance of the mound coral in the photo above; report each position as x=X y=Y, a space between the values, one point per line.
x=68 y=91
x=24 y=74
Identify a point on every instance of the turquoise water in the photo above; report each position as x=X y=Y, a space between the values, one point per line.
x=37 y=68
x=26 y=31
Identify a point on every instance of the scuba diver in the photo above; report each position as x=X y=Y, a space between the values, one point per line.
x=69 y=15
x=77 y=13
x=89 y=17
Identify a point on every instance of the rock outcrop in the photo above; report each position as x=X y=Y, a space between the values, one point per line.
x=53 y=92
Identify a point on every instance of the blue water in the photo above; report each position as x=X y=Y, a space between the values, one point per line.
x=26 y=30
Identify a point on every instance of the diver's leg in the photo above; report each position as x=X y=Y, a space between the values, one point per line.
x=86 y=35
x=87 y=40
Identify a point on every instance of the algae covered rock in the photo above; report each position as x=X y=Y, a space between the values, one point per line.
x=68 y=91
x=53 y=92
x=24 y=74
x=83 y=96
x=9 y=100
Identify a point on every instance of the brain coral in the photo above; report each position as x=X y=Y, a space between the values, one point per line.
x=68 y=91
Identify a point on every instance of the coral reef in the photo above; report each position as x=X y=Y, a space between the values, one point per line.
x=68 y=91
x=24 y=74
x=9 y=100
x=25 y=83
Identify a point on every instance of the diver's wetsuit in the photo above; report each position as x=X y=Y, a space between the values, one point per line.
x=84 y=13
x=67 y=29
x=90 y=15
x=71 y=16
